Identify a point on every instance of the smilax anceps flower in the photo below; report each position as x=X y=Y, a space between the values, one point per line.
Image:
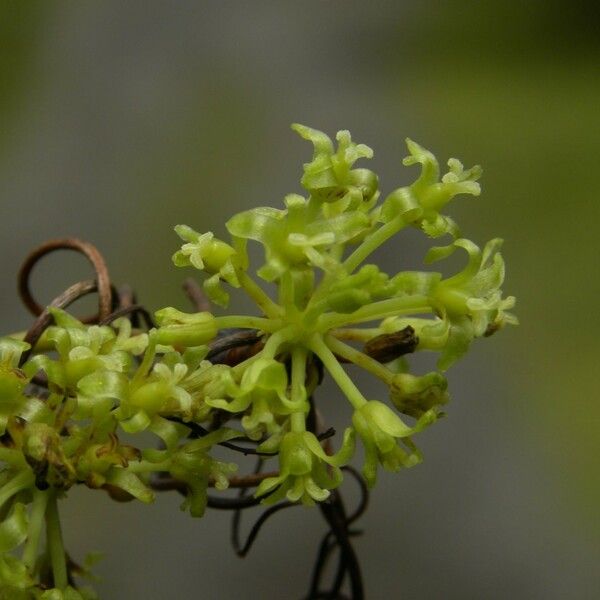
x=306 y=472
x=379 y=427
x=262 y=394
x=421 y=202
x=471 y=301
x=209 y=254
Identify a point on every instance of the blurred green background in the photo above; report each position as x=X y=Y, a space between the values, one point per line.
x=120 y=120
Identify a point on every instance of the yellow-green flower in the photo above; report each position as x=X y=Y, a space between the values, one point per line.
x=379 y=428
x=421 y=202
x=306 y=472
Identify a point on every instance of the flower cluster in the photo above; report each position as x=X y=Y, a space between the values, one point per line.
x=66 y=403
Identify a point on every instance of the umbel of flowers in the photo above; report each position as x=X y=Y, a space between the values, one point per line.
x=322 y=304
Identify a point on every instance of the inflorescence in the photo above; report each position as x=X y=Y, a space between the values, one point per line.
x=67 y=397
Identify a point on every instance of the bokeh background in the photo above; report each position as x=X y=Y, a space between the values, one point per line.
x=119 y=120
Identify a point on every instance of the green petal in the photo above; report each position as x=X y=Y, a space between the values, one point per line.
x=104 y=384
x=401 y=202
x=170 y=433
x=268 y=484
x=342 y=457
x=321 y=141
x=224 y=434
x=139 y=422
x=430 y=171
x=369 y=468
x=13 y=529
x=63 y=319
x=438 y=253
x=386 y=419
x=187 y=234
x=315 y=492
x=214 y=291
x=413 y=283
x=257 y=224
x=473 y=264
x=237 y=405
x=11 y=351
x=459 y=340
x=130 y=483
x=297 y=490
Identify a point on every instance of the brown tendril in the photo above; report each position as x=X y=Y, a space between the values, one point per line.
x=196 y=296
x=102 y=280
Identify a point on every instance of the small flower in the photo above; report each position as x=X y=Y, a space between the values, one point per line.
x=299 y=237
x=205 y=252
x=306 y=472
x=379 y=428
x=160 y=392
x=97 y=458
x=192 y=465
x=262 y=394
x=202 y=251
x=421 y=202
x=46 y=454
x=83 y=350
x=329 y=177
x=471 y=301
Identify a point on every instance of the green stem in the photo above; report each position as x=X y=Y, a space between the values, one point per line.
x=315 y=309
x=146 y=466
x=147 y=361
x=377 y=310
x=367 y=247
x=55 y=544
x=372 y=242
x=286 y=291
x=12 y=457
x=247 y=322
x=360 y=359
x=239 y=369
x=356 y=334
x=278 y=338
x=19 y=482
x=298 y=422
x=36 y=522
x=259 y=296
x=298 y=419
x=318 y=346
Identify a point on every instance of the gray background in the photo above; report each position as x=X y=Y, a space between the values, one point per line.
x=123 y=119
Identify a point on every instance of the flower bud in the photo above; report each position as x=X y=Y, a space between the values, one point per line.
x=366 y=181
x=217 y=254
x=414 y=396
x=177 y=328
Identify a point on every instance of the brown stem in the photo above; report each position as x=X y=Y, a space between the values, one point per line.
x=162 y=484
x=93 y=256
x=197 y=297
